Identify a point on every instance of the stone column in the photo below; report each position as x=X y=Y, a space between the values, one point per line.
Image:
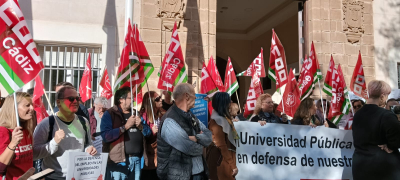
x=341 y=28
x=196 y=26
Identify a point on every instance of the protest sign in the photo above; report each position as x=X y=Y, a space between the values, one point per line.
x=81 y=165
x=98 y=144
x=200 y=108
x=279 y=151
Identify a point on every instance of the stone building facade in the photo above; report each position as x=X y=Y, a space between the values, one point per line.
x=218 y=28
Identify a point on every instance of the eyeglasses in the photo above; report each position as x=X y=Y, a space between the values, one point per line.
x=71 y=99
x=157 y=99
x=357 y=107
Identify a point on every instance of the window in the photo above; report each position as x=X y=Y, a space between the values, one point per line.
x=66 y=63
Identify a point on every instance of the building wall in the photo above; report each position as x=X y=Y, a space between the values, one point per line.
x=387 y=40
x=327 y=26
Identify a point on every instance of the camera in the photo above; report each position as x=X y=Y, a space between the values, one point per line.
x=395 y=109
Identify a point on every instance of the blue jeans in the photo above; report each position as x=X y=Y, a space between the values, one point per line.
x=123 y=171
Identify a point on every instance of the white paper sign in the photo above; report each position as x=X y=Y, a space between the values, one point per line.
x=81 y=166
x=280 y=151
x=98 y=144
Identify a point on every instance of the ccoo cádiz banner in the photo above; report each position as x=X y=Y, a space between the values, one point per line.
x=282 y=152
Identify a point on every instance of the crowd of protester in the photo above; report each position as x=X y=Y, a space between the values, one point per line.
x=165 y=140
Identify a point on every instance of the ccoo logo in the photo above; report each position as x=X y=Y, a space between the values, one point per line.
x=290 y=100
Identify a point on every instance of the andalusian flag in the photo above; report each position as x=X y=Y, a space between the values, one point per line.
x=19 y=58
x=340 y=104
x=146 y=66
x=173 y=70
x=328 y=78
x=129 y=64
x=231 y=83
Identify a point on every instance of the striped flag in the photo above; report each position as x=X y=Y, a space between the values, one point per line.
x=257 y=64
x=277 y=62
x=340 y=104
x=146 y=66
x=306 y=84
x=19 y=58
x=231 y=83
x=173 y=70
x=328 y=78
x=129 y=63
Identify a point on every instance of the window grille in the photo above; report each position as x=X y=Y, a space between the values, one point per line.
x=66 y=63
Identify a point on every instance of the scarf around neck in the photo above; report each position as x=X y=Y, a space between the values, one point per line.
x=227 y=127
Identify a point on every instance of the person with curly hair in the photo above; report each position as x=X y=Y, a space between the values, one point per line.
x=306 y=114
x=264 y=111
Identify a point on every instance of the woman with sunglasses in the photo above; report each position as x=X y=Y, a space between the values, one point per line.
x=16 y=142
x=146 y=111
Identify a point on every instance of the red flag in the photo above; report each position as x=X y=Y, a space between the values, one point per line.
x=173 y=64
x=38 y=105
x=207 y=84
x=314 y=67
x=105 y=84
x=85 y=88
x=357 y=84
x=277 y=62
x=212 y=68
x=257 y=64
x=291 y=96
x=20 y=62
x=255 y=91
x=340 y=105
x=231 y=84
x=306 y=84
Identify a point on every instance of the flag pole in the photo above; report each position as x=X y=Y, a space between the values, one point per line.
x=16 y=108
x=151 y=103
x=51 y=108
x=237 y=97
x=322 y=102
x=136 y=99
x=130 y=81
x=283 y=105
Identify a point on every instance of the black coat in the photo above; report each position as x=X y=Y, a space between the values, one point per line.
x=270 y=118
x=373 y=126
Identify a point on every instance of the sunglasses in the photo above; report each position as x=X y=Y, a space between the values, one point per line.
x=72 y=99
x=357 y=107
x=157 y=99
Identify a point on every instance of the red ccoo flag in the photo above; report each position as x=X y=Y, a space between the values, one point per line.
x=357 y=84
x=105 y=84
x=38 y=105
x=85 y=88
x=257 y=65
x=254 y=92
x=207 y=84
x=173 y=67
x=291 y=96
x=214 y=73
x=277 y=62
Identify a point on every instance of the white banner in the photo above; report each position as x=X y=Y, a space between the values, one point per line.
x=81 y=166
x=280 y=151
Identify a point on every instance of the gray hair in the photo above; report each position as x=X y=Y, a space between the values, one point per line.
x=101 y=100
x=181 y=89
